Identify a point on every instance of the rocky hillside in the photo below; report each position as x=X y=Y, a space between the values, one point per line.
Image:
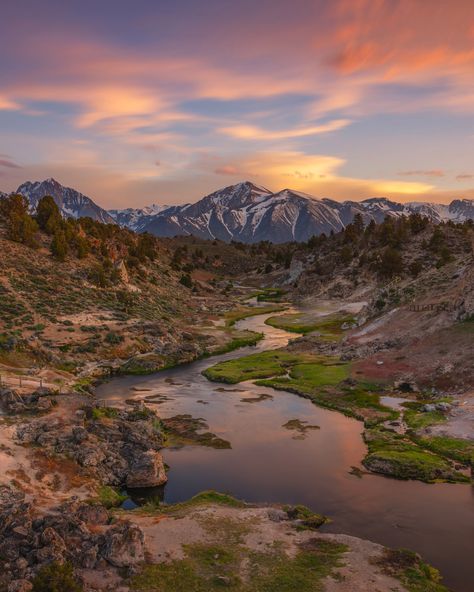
x=415 y=280
x=82 y=297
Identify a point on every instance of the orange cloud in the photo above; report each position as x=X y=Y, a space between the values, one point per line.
x=251 y=132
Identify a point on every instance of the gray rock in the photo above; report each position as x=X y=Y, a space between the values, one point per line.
x=147 y=470
x=277 y=515
x=124 y=545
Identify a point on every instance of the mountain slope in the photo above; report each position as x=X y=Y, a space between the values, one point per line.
x=248 y=213
x=71 y=203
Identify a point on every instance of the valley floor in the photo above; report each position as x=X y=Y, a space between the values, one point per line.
x=58 y=449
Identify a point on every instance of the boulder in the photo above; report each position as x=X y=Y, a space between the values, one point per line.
x=124 y=545
x=146 y=470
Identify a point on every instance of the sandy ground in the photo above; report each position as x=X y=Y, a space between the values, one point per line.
x=165 y=537
x=47 y=480
x=460 y=420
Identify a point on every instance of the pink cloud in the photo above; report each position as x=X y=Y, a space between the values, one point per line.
x=422 y=173
x=227 y=170
x=9 y=164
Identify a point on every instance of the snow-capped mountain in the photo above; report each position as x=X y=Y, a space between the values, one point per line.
x=249 y=213
x=136 y=218
x=245 y=212
x=459 y=210
x=71 y=203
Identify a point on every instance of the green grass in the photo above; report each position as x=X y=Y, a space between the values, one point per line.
x=260 y=365
x=243 y=339
x=416 y=420
x=396 y=456
x=320 y=375
x=213 y=567
x=323 y=384
x=204 y=498
x=411 y=571
x=110 y=497
x=317 y=377
x=329 y=327
x=455 y=448
x=101 y=412
x=271 y=295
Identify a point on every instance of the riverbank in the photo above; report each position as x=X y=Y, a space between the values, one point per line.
x=254 y=421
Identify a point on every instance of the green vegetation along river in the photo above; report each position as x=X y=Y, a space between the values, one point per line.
x=283 y=448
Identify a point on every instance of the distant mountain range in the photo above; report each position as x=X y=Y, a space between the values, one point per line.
x=249 y=213
x=137 y=218
x=245 y=212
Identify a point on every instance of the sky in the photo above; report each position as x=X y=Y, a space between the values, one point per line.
x=167 y=100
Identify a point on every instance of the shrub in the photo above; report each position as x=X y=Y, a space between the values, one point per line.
x=186 y=280
x=56 y=577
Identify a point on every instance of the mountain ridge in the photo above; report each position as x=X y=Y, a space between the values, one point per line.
x=245 y=212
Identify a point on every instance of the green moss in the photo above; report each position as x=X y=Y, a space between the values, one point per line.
x=411 y=571
x=361 y=401
x=261 y=365
x=416 y=420
x=56 y=577
x=243 y=339
x=110 y=497
x=101 y=412
x=209 y=568
x=393 y=455
x=309 y=519
x=455 y=448
x=204 y=498
x=271 y=295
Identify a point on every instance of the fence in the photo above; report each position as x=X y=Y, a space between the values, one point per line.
x=437 y=306
x=21 y=381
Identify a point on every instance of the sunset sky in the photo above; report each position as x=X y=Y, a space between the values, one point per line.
x=165 y=101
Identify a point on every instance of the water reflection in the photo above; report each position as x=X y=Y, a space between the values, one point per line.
x=266 y=464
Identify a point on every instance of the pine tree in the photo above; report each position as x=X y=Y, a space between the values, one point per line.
x=391 y=262
x=59 y=246
x=48 y=215
x=20 y=225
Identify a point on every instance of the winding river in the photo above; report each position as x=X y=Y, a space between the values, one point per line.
x=270 y=463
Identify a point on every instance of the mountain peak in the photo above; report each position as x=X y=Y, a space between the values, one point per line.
x=70 y=202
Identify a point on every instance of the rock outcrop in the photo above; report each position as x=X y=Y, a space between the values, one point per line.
x=74 y=532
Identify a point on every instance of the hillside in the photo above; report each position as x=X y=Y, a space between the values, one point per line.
x=86 y=297
x=417 y=282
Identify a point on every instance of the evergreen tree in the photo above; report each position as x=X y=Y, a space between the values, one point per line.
x=391 y=262
x=20 y=225
x=48 y=215
x=82 y=246
x=59 y=246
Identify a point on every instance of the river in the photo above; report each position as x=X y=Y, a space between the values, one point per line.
x=269 y=463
